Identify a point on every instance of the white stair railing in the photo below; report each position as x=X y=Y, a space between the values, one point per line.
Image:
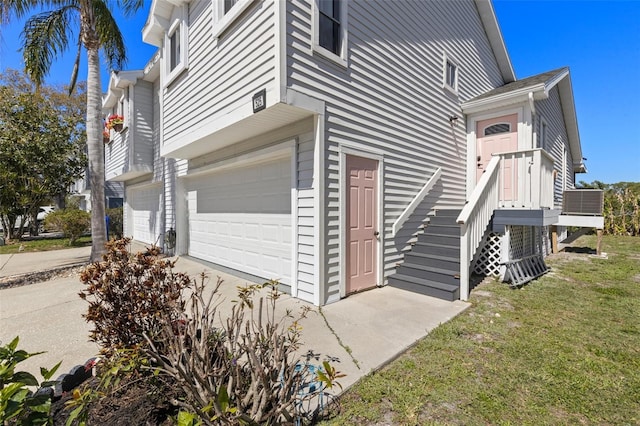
x=415 y=202
x=475 y=217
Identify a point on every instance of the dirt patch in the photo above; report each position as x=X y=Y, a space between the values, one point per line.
x=37 y=277
x=135 y=404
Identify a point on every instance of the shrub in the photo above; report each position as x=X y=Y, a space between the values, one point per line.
x=115 y=222
x=228 y=368
x=18 y=404
x=241 y=370
x=130 y=295
x=71 y=222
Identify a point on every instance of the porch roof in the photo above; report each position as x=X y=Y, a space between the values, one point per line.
x=534 y=88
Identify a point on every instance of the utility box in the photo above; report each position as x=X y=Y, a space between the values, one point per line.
x=588 y=202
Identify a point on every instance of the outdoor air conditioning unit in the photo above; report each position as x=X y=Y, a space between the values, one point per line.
x=583 y=202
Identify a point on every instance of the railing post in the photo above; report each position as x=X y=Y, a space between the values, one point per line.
x=464 y=263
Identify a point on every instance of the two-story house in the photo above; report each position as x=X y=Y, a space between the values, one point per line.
x=340 y=145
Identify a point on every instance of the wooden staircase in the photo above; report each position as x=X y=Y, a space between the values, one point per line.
x=432 y=267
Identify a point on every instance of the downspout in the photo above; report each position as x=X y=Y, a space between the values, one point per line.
x=532 y=105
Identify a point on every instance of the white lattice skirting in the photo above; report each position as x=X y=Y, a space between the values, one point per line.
x=487 y=261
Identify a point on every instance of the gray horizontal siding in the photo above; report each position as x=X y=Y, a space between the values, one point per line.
x=556 y=139
x=390 y=98
x=221 y=76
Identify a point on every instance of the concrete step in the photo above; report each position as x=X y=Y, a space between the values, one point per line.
x=437 y=249
x=430 y=273
x=449 y=263
x=430 y=288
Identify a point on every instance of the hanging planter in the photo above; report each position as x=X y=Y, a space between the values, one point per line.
x=105 y=137
x=115 y=122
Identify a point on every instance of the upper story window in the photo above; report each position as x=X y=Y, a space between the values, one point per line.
x=226 y=12
x=175 y=45
x=330 y=29
x=228 y=5
x=497 y=128
x=451 y=72
x=174 y=49
x=329 y=25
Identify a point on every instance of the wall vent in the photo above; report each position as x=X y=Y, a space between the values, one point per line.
x=583 y=202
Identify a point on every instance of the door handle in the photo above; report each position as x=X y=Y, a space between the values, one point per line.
x=376 y=233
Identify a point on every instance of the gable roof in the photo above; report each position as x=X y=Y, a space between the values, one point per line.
x=492 y=29
x=535 y=88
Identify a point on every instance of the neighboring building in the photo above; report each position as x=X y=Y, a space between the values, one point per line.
x=81 y=189
x=311 y=141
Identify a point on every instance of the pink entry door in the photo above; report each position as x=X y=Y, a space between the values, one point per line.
x=495 y=135
x=362 y=222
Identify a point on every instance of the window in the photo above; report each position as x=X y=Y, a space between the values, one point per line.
x=226 y=12
x=228 y=4
x=329 y=25
x=175 y=46
x=498 y=128
x=330 y=29
x=450 y=74
x=174 y=49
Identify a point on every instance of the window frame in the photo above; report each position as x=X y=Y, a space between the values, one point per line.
x=180 y=26
x=340 y=57
x=544 y=131
x=446 y=61
x=223 y=20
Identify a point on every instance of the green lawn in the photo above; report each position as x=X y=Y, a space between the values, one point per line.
x=565 y=349
x=44 y=244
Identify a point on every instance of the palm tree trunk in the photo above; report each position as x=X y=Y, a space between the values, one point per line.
x=96 y=155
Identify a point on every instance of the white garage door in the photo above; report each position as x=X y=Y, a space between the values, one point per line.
x=241 y=218
x=144 y=213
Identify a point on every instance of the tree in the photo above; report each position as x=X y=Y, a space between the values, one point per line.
x=621 y=206
x=41 y=147
x=45 y=36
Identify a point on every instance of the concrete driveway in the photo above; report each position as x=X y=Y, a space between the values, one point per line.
x=375 y=326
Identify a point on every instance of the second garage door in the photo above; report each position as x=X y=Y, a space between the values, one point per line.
x=241 y=218
x=144 y=213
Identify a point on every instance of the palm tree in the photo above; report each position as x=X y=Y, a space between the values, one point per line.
x=47 y=35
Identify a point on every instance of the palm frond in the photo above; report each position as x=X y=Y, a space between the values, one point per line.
x=45 y=36
x=130 y=7
x=20 y=8
x=111 y=39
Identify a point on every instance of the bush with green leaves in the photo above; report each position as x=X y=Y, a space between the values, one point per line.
x=19 y=405
x=71 y=222
x=115 y=222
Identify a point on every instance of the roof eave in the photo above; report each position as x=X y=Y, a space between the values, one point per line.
x=492 y=28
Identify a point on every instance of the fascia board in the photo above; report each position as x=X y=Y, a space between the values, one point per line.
x=517 y=96
x=570 y=119
x=492 y=29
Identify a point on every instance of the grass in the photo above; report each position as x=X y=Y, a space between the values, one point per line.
x=44 y=244
x=564 y=349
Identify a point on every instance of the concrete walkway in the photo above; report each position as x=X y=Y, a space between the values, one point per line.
x=363 y=331
x=25 y=263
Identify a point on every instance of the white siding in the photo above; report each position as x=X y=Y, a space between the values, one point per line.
x=390 y=98
x=142 y=110
x=116 y=154
x=556 y=140
x=222 y=74
x=306 y=205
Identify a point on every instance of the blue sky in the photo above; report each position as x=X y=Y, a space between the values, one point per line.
x=598 y=39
